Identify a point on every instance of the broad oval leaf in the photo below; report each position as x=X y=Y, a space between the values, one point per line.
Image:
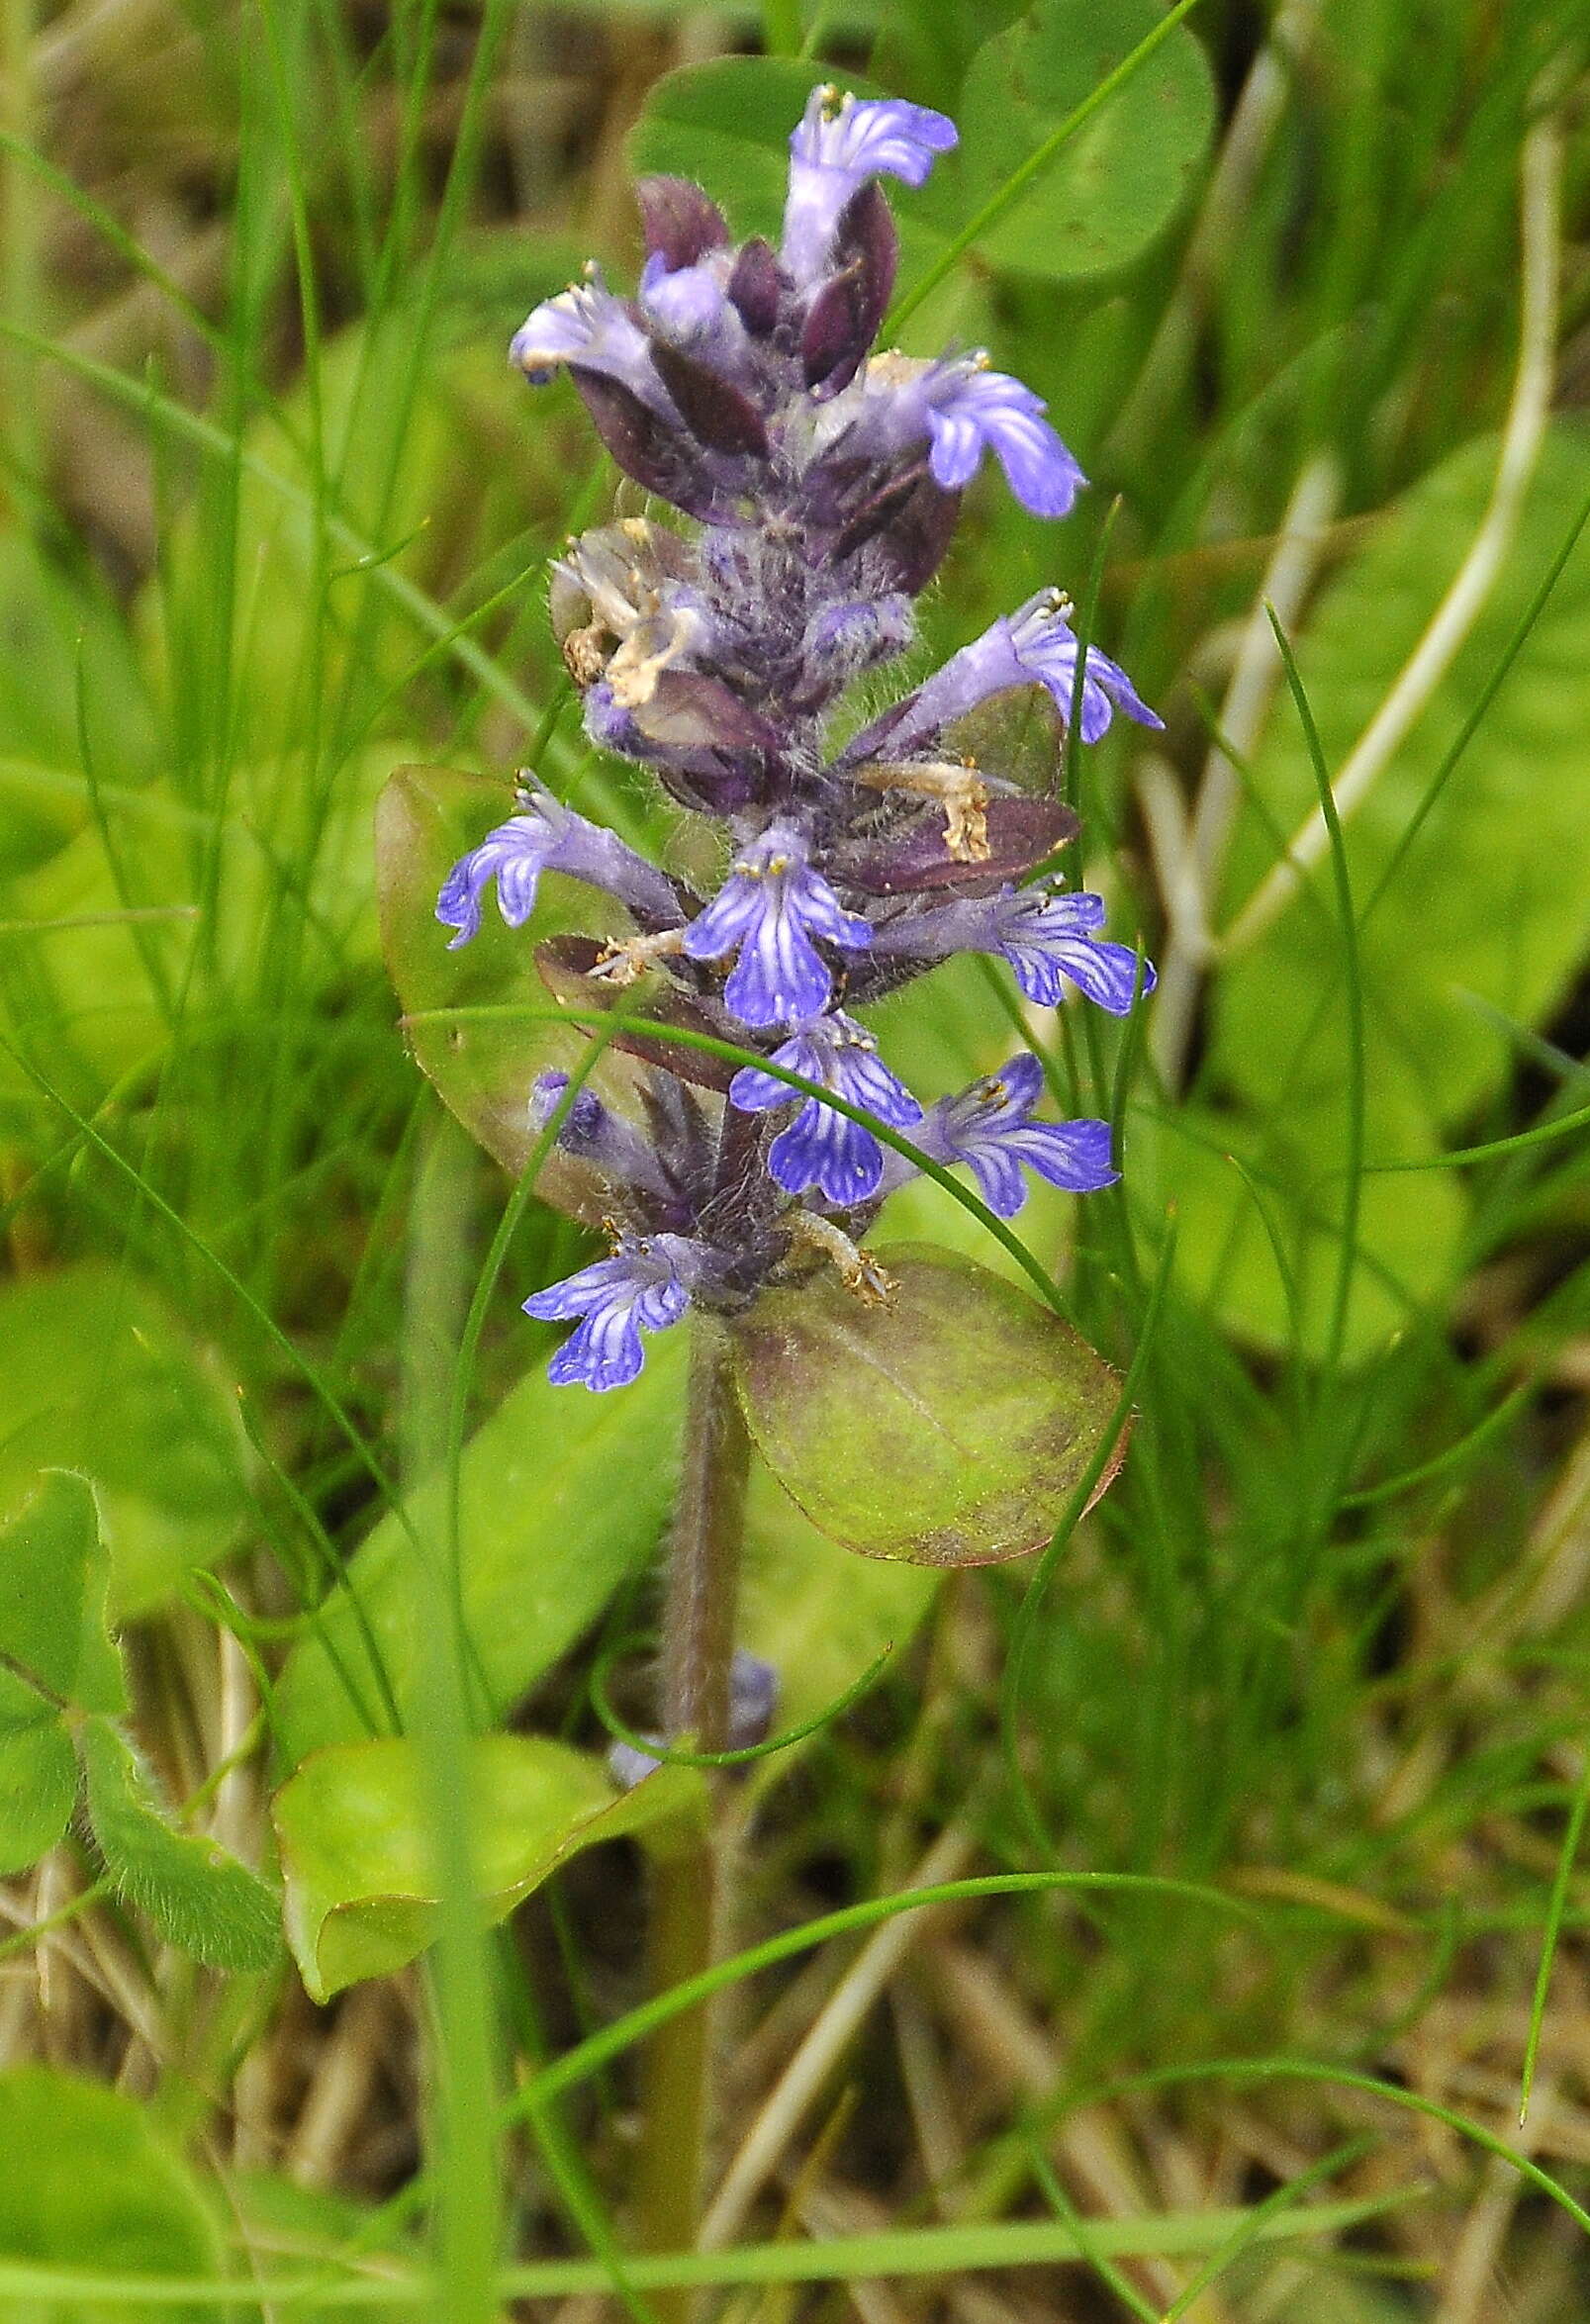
x=200 y=1898
x=561 y=1496
x=1492 y=900
x=356 y=1843
x=1488 y=912
x=948 y=1424
x=89 y=2184
x=1115 y=184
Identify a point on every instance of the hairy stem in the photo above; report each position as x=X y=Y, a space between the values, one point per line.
x=698 y=1644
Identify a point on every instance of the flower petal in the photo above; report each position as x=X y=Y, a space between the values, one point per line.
x=825 y=1149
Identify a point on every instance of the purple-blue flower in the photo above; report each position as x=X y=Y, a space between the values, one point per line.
x=594 y=1133
x=1034 y=646
x=647 y=1282
x=1047 y=934
x=546 y=836
x=971 y=410
x=753 y=1698
x=989 y=1127
x=958 y=408
x=835 y=149
x=691 y=308
x=590 y=328
x=771 y=906
x=823 y=1148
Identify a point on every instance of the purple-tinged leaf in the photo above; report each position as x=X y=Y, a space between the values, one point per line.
x=662 y=459
x=716 y=414
x=680 y=222
x=832 y=340
x=567 y=965
x=948 y=1424
x=691 y=710
x=845 y=315
x=755 y=286
x=908 y=526
x=1021 y=833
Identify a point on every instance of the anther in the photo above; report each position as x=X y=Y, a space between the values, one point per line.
x=626 y=959
x=858 y=1270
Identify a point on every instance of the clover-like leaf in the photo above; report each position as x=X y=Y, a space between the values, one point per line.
x=200 y=1898
x=1115 y=184
x=356 y=1848
x=950 y=1423
x=90 y=2184
x=98 y=1376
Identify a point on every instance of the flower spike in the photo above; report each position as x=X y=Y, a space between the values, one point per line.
x=803 y=489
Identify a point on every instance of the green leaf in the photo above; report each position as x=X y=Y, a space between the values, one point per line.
x=1491 y=900
x=948 y=1424
x=1118 y=182
x=810 y=1609
x=429 y=816
x=390 y=440
x=96 y=1375
x=355 y=1842
x=54 y=1652
x=65 y=652
x=200 y=1898
x=1494 y=898
x=90 y=1000
x=275 y=2214
x=53 y=1573
x=88 y=2184
x=38 y=1776
x=561 y=1494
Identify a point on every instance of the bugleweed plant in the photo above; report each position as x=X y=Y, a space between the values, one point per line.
x=459 y=1767
x=913 y=1404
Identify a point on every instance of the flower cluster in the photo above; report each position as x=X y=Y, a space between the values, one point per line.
x=740 y=385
